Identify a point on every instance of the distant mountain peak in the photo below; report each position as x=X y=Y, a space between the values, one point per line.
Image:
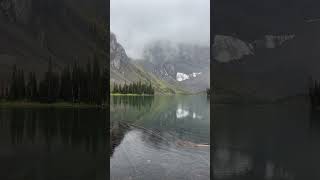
x=228 y=48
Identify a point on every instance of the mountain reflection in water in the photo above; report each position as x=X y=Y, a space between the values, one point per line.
x=153 y=140
x=269 y=141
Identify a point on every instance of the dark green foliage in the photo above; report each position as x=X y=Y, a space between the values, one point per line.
x=208 y=92
x=31 y=88
x=21 y=85
x=74 y=85
x=314 y=93
x=3 y=94
x=105 y=84
x=66 y=85
x=134 y=88
x=49 y=86
x=89 y=82
x=14 y=86
x=96 y=80
x=17 y=87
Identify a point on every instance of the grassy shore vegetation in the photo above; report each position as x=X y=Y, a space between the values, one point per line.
x=75 y=86
x=119 y=94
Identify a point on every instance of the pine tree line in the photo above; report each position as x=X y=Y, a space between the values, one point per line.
x=75 y=84
x=133 y=88
x=208 y=91
x=314 y=93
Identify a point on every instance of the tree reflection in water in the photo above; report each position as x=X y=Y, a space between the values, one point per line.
x=82 y=129
x=57 y=143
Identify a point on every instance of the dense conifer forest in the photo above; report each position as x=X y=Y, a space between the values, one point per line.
x=133 y=88
x=314 y=93
x=74 y=84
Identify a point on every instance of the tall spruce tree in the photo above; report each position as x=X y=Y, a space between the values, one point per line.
x=14 y=87
x=75 y=82
x=31 y=87
x=66 y=85
x=105 y=84
x=89 y=82
x=21 y=84
x=96 y=81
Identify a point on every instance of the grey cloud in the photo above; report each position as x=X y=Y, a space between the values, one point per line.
x=137 y=22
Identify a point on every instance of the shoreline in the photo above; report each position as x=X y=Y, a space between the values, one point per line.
x=195 y=94
x=117 y=94
x=26 y=104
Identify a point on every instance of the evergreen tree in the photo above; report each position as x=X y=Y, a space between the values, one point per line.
x=49 y=81
x=96 y=82
x=31 y=88
x=2 y=91
x=115 y=88
x=133 y=88
x=66 y=85
x=49 y=86
x=75 y=82
x=89 y=82
x=21 y=84
x=105 y=84
x=83 y=88
x=14 y=87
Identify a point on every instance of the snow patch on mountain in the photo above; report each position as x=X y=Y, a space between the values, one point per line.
x=195 y=74
x=182 y=76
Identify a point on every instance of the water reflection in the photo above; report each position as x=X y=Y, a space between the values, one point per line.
x=44 y=143
x=182 y=113
x=159 y=139
x=278 y=141
x=132 y=101
x=117 y=132
x=74 y=127
x=234 y=164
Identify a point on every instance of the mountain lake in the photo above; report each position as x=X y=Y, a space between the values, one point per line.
x=160 y=137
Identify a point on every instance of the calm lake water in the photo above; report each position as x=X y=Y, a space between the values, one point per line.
x=52 y=144
x=278 y=141
x=160 y=138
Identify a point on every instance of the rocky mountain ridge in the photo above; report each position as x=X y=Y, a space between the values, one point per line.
x=65 y=31
x=170 y=62
x=124 y=70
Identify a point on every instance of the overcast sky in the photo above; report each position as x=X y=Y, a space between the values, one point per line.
x=137 y=22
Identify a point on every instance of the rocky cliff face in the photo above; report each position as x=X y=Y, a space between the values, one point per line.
x=184 y=65
x=118 y=56
x=284 y=41
x=17 y=10
x=280 y=66
x=124 y=70
x=228 y=48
